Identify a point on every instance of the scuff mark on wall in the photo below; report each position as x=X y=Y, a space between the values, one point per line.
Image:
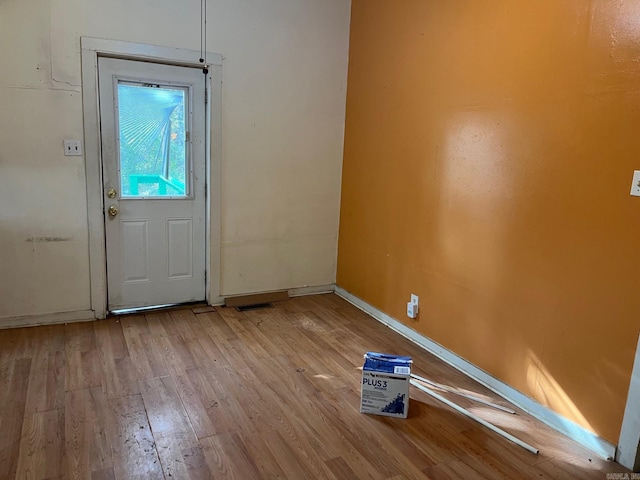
x=47 y=239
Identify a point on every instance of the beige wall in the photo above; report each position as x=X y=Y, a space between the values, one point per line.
x=284 y=82
x=489 y=152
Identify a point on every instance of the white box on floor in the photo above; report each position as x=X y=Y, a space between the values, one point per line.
x=385 y=385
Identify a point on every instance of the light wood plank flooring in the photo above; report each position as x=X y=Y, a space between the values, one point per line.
x=272 y=393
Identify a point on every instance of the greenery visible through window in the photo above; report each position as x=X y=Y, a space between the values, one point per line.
x=153 y=142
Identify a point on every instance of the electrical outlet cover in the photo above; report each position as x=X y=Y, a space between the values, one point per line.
x=635 y=185
x=72 y=148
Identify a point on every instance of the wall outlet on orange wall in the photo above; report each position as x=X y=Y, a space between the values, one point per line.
x=635 y=184
x=412 y=306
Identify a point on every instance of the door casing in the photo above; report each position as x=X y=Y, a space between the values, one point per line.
x=91 y=49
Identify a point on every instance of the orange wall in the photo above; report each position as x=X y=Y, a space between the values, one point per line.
x=488 y=160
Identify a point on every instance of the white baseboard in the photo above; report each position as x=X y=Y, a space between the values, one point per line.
x=598 y=445
x=47 y=319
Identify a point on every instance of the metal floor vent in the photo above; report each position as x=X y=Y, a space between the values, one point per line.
x=255 y=306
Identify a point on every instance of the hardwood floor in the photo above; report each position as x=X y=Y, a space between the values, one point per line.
x=272 y=393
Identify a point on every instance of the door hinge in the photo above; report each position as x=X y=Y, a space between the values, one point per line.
x=187 y=136
x=205 y=190
x=205 y=276
x=206 y=96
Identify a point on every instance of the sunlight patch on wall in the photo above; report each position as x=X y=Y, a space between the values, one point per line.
x=550 y=393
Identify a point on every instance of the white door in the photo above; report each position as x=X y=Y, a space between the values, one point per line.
x=153 y=152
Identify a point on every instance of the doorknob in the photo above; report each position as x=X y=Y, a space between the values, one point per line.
x=111 y=193
x=113 y=210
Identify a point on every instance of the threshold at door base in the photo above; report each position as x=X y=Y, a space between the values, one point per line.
x=153 y=308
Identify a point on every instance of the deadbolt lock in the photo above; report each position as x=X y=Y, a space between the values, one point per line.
x=111 y=193
x=113 y=210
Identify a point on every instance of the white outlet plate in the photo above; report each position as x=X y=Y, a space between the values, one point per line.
x=635 y=184
x=412 y=306
x=72 y=148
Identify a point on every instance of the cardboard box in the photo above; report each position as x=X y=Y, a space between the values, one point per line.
x=385 y=385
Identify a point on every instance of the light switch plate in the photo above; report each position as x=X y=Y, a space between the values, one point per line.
x=635 y=185
x=72 y=148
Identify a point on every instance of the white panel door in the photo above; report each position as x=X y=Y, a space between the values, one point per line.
x=153 y=152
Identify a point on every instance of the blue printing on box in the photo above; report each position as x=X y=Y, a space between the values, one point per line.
x=382 y=362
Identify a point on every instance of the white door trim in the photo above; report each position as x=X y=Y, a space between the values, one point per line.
x=91 y=49
x=628 y=453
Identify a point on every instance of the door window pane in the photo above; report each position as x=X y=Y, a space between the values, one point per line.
x=153 y=143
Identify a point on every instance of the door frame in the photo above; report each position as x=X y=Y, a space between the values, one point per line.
x=628 y=452
x=91 y=49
